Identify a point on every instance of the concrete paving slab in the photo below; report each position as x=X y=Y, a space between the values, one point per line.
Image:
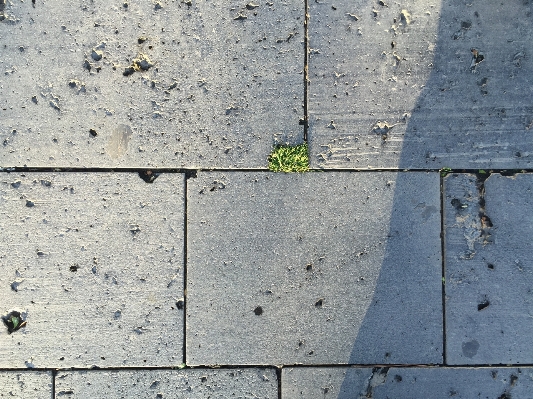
x=316 y=268
x=489 y=273
x=420 y=84
x=25 y=385
x=93 y=265
x=150 y=83
x=192 y=384
x=385 y=382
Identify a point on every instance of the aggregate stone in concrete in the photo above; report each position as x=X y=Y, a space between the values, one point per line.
x=385 y=382
x=92 y=270
x=150 y=83
x=317 y=268
x=25 y=385
x=420 y=84
x=489 y=269
x=193 y=384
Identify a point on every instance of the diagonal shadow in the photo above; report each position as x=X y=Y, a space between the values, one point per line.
x=473 y=112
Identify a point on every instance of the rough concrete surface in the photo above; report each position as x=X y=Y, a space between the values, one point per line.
x=489 y=273
x=162 y=83
x=420 y=84
x=317 y=268
x=192 y=383
x=25 y=385
x=385 y=382
x=93 y=264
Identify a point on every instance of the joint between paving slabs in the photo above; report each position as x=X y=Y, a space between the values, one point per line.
x=443 y=260
x=278 y=375
x=193 y=175
x=306 y=82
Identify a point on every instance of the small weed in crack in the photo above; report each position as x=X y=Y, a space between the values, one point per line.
x=289 y=158
x=13 y=321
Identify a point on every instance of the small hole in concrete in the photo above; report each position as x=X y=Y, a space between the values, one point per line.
x=483 y=305
x=319 y=303
x=93 y=132
x=148 y=176
x=258 y=311
x=74 y=268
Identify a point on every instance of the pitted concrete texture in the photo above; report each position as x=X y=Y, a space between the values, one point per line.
x=385 y=382
x=93 y=265
x=418 y=84
x=318 y=268
x=25 y=385
x=150 y=83
x=192 y=383
x=489 y=273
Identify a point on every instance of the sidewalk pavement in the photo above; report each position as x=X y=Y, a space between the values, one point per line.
x=147 y=251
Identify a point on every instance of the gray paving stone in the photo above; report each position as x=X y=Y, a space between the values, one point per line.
x=489 y=269
x=25 y=385
x=214 y=84
x=93 y=263
x=190 y=383
x=406 y=383
x=316 y=268
x=391 y=84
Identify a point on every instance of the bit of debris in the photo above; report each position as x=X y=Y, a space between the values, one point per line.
x=55 y=104
x=517 y=59
x=76 y=84
x=251 y=6
x=15 y=285
x=141 y=63
x=382 y=127
x=405 y=17
x=96 y=55
x=128 y=71
x=231 y=108
x=87 y=65
x=477 y=57
x=240 y=17
x=355 y=17
x=93 y=133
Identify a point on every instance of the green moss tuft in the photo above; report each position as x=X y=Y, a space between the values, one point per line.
x=289 y=158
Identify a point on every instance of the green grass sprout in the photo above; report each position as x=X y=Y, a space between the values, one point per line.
x=445 y=171
x=289 y=158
